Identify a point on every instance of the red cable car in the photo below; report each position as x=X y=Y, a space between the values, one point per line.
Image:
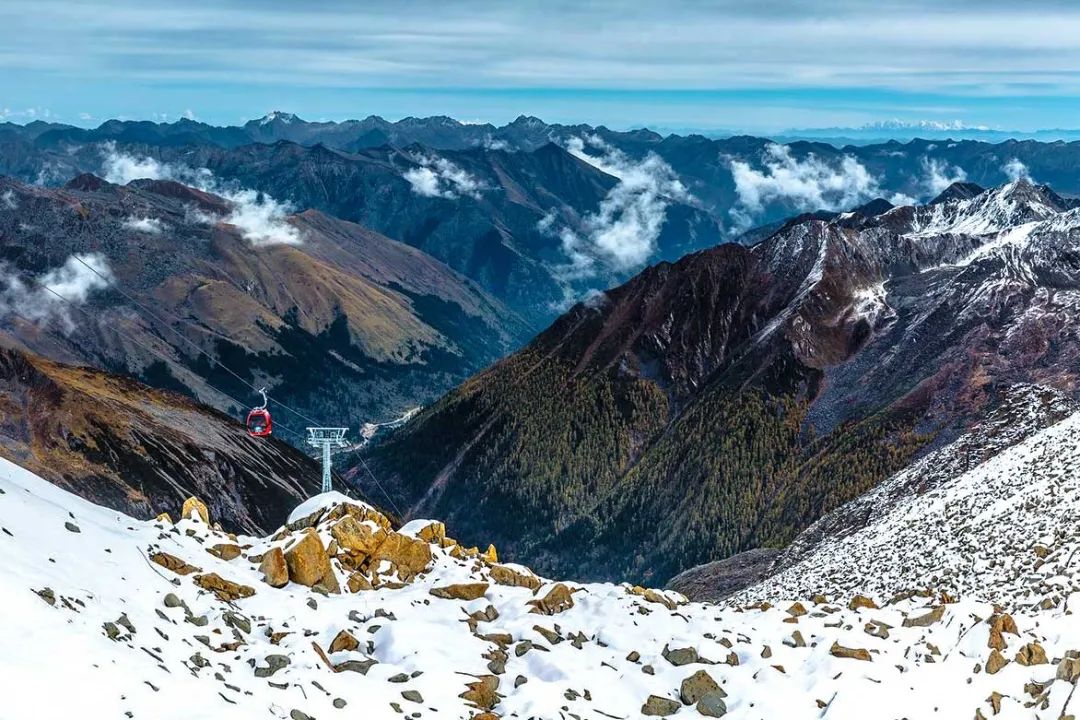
x=259 y=423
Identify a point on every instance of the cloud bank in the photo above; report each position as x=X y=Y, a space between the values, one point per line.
x=439 y=177
x=150 y=226
x=622 y=233
x=261 y=219
x=70 y=284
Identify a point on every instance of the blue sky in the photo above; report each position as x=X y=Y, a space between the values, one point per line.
x=759 y=66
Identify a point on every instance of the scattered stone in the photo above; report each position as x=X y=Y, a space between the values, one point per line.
x=505 y=575
x=344 y=640
x=558 y=599
x=225 y=551
x=659 y=706
x=357 y=666
x=681 y=656
x=72 y=527
x=412 y=696
x=225 y=590
x=273 y=664
x=861 y=601
x=712 y=704
x=796 y=610
x=926 y=620
x=698 y=686
x=838 y=650
x=1032 y=654
x=47 y=595
x=461 y=591
x=1068 y=670
x=339 y=703
x=173 y=563
x=1000 y=625
x=995 y=662
x=483 y=692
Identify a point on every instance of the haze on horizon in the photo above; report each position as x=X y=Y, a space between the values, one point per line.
x=755 y=67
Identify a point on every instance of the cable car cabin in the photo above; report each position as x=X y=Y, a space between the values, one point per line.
x=259 y=423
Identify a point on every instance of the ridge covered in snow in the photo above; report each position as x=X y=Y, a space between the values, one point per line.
x=155 y=619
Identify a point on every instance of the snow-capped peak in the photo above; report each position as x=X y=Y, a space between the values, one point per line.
x=277 y=116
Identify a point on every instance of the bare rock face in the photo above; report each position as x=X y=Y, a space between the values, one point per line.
x=274 y=568
x=308 y=562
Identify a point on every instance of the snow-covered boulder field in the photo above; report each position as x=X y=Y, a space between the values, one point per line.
x=340 y=615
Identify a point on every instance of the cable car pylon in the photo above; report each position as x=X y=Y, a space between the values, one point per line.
x=325 y=438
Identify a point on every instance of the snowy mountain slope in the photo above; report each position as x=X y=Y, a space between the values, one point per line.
x=1006 y=530
x=92 y=627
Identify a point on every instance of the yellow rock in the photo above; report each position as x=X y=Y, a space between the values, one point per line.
x=358 y=583
x=434 y=532
x=490 y=555
x=461 y=591
x=164 y=517
x=995 y=662
x=1032 y=654
x=357 y=538
x=838 y=650
x=224 y=589
x=482 y=693
x=307 y=560
x=225 y=551
x=796 y=610
x=194 y=504
x=344 y=640
x=558 y=599
x=274 y=568
x=503 y=575
x=171 y=562
x=409 y=556
x=861 y=601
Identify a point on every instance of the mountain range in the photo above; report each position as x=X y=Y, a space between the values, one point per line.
x=724 y=402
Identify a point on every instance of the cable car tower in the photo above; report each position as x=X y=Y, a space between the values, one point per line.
x=325 y=438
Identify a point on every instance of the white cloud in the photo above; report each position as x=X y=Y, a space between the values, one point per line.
x=261 y=219
x=151 y=226
x=938 y=175
x=809 y=184
x=439 y=177
x=70 y=284
x=622 y=233
x=1016 y=170
x=8 y=201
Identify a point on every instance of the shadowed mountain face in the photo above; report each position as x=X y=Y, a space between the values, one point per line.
x=141 y=451
x=334 y=319
x=726 y=401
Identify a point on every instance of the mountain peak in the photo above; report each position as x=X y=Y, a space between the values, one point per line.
x=277 y=117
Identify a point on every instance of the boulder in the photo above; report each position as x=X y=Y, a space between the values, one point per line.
x=490 y=556
x=698 y=686
x=225 y=590
x=838 y=650
x=995 y=662
x=796 y=610
x=274 y=569
x=483 y=692
x=307 y=560
x=196 y=506
x=173 y=563
x=1000 y=625
x=505 y=575
x=712 y=704
x=861 y=601
x=681 y=656
x=927 y=619
x=357 y=539
x=409 y=556
x=164 y=518
x=461 y=591
x=357 y=582
x=225 y=551
x=1068 y=670
x=558 y=599
x=659 y=706
x=344 y=640
x=434 y=532
x=1032 y=654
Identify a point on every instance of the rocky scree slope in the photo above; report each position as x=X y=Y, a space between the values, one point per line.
x=339 y=611
x=141 y=451
x=726 y=401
